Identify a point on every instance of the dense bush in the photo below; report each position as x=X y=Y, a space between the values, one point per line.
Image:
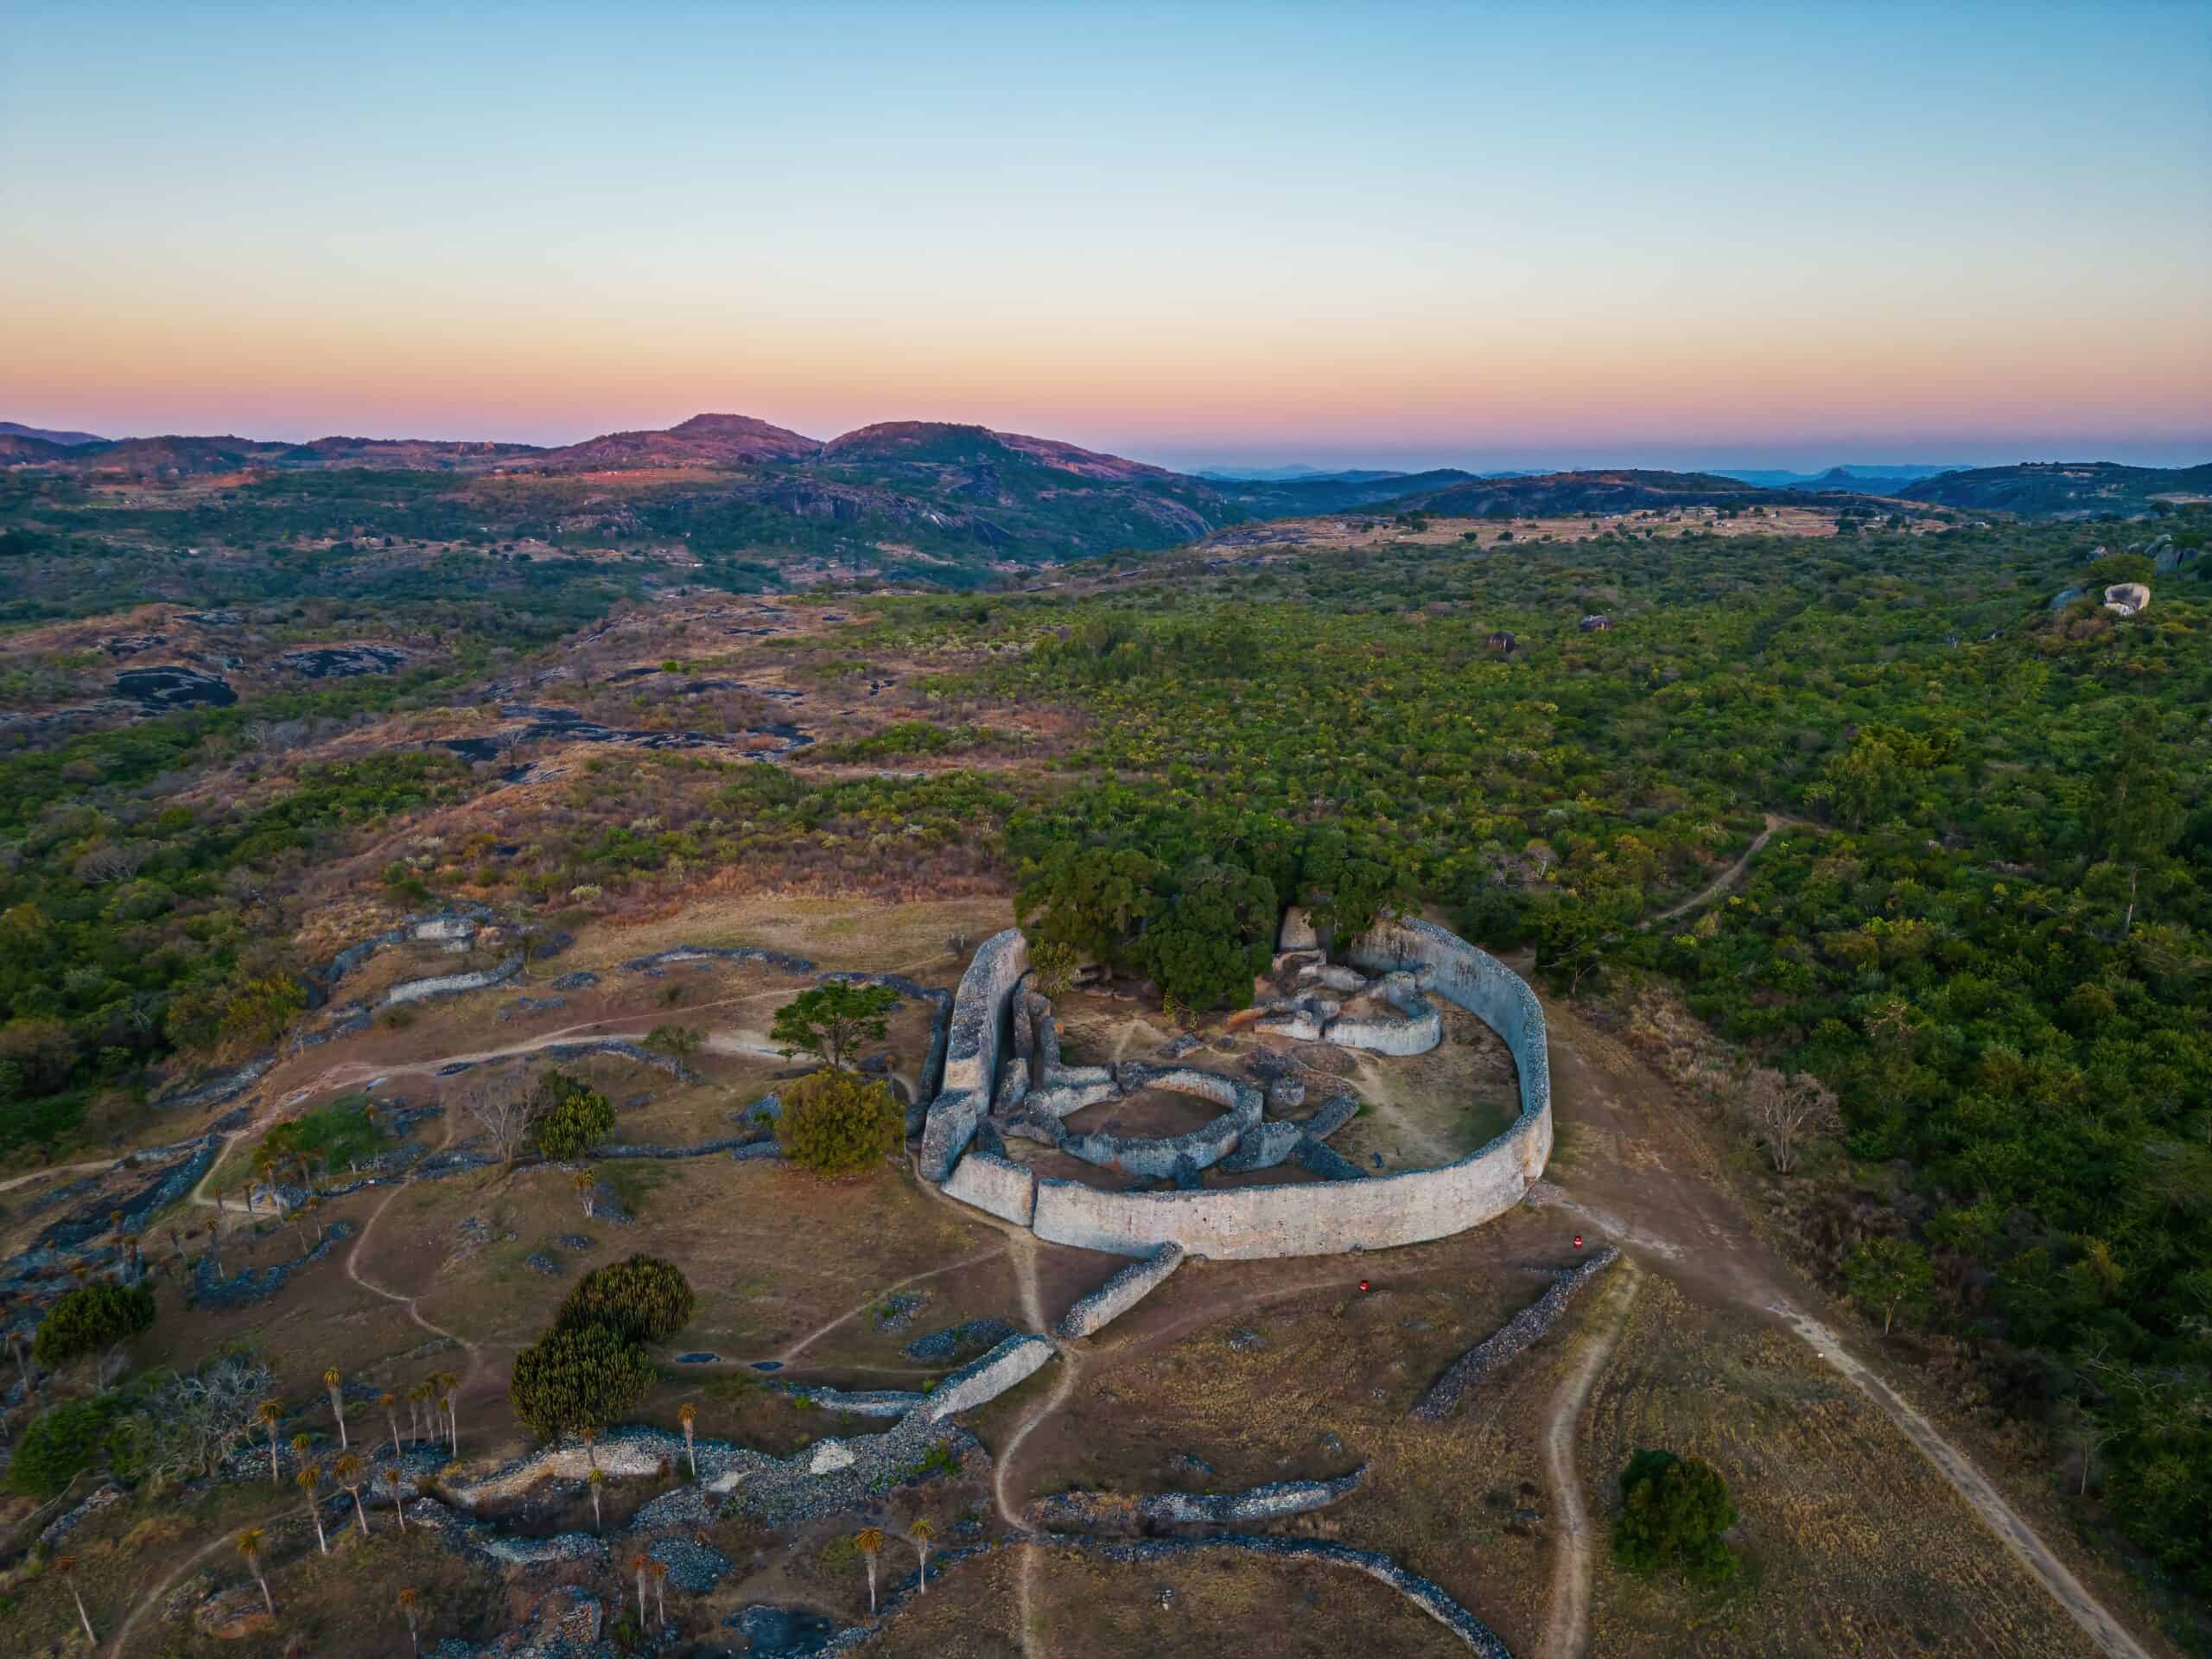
x=577 y=1378
x=567 y=1118
x=642 y=1298
x=61 y=1443
x=89 y=1318
x=839 y=1122
x=1673 y=1512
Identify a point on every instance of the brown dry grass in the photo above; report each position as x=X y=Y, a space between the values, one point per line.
x=1852 y=1544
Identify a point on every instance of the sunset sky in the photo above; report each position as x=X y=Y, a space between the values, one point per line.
x=1482 y=235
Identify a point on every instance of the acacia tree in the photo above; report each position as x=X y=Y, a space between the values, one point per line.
x=833 y=1020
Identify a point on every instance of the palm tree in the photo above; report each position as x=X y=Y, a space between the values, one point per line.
x=348 y=1471
x=452 y=1381
x=67 y=1567
x=389 y=1402
x=331 y=1379
x=688 y=1414
x=594 y=1480
x=308 y=1478
x=417 y=1398
x=270 y=1413
x=590 y=1437
x=921 y=1532
x=659 y=1570
x=251 y=1543
x=870 y=1540
x=583 y=1181
x=638 y=1561
x=407 y=1601
x=398 y=1498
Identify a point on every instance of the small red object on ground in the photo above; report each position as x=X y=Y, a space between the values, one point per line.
x=1362 y=1287
x=1578 y=1241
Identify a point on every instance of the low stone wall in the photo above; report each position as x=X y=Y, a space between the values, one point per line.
x=971 y=1054
x=999 y=1185
x=986 y=1378
x=1419 y=1027
x=422 y=990
x=1509 y=1338
x=1077 y=1511
x=1121 y=1293
x=1408 y=1208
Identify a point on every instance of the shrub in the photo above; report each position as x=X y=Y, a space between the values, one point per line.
x=569 y=1117
x=581 y=1377
x=1673 y=1512
x=1053 y=967
x=91 y=1317
x=59 y=1445
x=641 y=1299
x=838 y=1122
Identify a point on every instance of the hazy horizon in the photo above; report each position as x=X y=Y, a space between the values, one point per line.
x=1204 y=235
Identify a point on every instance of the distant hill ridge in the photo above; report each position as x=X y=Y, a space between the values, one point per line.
x=971 y=471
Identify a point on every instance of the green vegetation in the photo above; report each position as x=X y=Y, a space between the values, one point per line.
x=89 y=1318
x=839 y=1122
x=61 y=1443
x=832 y=1021
x=568 y=1116
x=640 y=1299
x=1673 y=1512
x=577 y=1378
x=332 y=1137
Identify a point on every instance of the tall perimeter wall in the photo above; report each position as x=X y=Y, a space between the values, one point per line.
x=1325 y=1218
x=976 y=1036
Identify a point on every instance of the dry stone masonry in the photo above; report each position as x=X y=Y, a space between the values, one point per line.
x=1396 y=968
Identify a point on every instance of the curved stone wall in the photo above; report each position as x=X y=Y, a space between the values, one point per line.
x=976 y=1035
x=1317 y=1218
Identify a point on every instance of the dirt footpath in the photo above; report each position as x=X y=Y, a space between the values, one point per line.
x=1634 y=1172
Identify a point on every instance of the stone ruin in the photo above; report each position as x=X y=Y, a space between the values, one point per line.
x=1005 y=1078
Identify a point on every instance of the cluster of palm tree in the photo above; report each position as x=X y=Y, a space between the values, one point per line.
x=646 y=1567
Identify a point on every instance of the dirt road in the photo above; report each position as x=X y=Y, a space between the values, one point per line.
x=1640 y=1178
x=1566 y=1622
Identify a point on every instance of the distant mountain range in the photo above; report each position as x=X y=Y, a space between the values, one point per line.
x=929 y=497
x=11 y=429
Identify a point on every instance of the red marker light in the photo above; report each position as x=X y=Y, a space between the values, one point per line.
x=1362 y=1287
x=1578 y=1241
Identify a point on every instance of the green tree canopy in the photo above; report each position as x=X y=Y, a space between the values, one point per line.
x=640 y=1299
x=568 y=1116
x=833 y=1020
x=1673 y=1512
x=839 y=1122
x=577 y=1378
x=90 y=1317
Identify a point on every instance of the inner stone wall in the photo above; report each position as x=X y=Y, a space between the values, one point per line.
x=1324 y=1219
x=976 y=1036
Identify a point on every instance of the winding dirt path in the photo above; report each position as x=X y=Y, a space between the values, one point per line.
x=812 y=1337
x=1644 y=1181
x=1566 y=1623
x=1727 y=878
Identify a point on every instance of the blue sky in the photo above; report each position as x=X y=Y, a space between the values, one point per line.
x=1398 y=234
